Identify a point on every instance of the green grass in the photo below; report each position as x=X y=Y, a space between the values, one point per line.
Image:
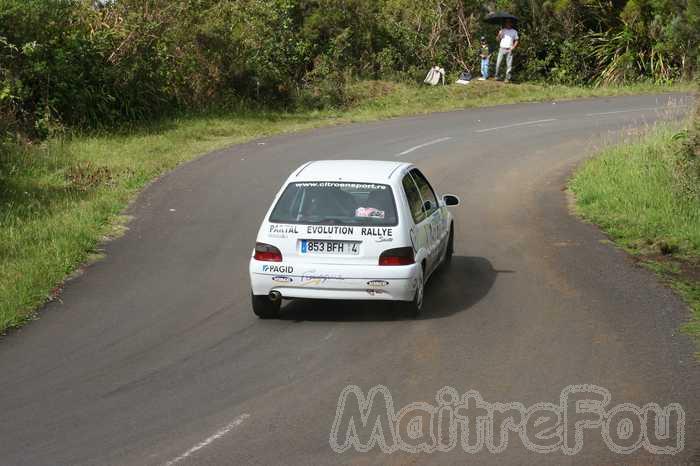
x=645 y=195
x=60 y=198
x=379 y=99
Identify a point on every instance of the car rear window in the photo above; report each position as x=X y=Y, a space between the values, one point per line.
x=336 y=203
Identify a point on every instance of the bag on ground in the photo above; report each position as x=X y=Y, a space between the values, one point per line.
x=435 y=75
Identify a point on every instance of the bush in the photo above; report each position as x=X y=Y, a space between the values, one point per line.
x=92 y=64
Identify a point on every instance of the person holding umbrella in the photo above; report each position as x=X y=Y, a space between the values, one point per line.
x=508 y=41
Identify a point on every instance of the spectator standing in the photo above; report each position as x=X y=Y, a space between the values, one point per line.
x=508 y=41
x=484 y=54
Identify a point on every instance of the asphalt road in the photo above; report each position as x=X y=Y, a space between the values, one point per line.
x=153 y=355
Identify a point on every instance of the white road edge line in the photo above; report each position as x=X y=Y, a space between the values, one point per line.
x=667 y=107
x=622 y=111
x=514 y=125
x=204 y=443
x=420 y=146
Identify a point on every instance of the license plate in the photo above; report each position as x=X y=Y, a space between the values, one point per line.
x=330 y=247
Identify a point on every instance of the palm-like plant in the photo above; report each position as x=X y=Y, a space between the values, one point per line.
x=638 y=48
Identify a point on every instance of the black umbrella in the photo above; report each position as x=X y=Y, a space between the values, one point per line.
x=499 y=17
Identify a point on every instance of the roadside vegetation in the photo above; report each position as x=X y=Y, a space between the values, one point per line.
x=100 y=63
x=646 y=196
x=99 y=97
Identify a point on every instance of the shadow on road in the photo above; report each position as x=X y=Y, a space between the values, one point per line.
x=452 y=289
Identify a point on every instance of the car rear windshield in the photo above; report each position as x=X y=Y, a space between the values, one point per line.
x=336 y=203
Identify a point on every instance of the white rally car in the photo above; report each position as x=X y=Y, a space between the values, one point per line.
x=351 y=229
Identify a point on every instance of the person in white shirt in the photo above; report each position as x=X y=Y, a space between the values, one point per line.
x=508 y=40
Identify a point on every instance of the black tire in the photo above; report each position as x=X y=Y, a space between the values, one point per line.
x=450 y=249
x=265 y=308
x=413 y=308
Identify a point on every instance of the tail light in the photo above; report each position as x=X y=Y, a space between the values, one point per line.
x=397 y=256
x=267 y=253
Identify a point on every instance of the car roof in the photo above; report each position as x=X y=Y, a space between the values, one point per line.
x=371 y=171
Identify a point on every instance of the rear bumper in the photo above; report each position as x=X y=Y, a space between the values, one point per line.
x=324 y=281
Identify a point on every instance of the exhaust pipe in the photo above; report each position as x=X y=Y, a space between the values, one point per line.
x=275 y=295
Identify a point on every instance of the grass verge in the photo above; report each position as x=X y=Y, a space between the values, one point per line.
x=646 y=197
x=59 y=199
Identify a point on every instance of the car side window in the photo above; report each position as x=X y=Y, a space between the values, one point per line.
x=426 y=191
x=415 y=202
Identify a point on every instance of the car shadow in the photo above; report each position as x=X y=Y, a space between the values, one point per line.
x=452 y=289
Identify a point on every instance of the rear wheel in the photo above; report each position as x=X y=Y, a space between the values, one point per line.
x=264 y=307
x=413 y=308
x=450 y=249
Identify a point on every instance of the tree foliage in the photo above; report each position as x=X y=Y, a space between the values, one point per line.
x=93 y=63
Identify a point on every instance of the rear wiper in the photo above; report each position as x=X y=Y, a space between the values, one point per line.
x=329 y=221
